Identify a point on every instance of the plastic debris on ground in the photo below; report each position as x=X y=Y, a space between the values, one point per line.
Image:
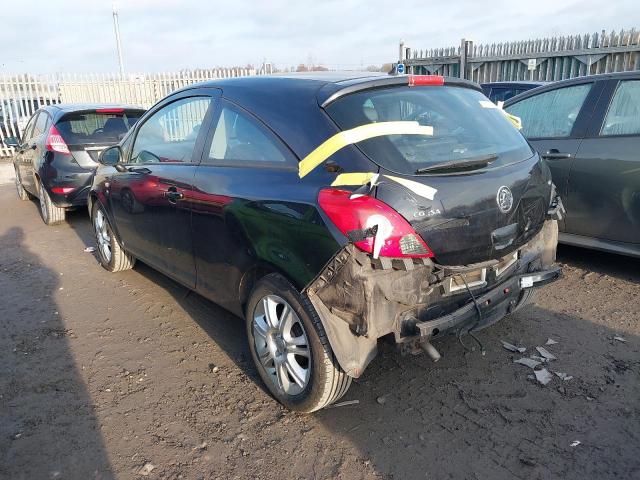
x=619 y=338
x=563 y=376
x=575 y=443
x=146 y=469
x=89 y=249
x=545 y=353
x=527 y=362
x=345 y=403
x=539 y=359
x=513 y=348
x=543 y=376
x=550 y=341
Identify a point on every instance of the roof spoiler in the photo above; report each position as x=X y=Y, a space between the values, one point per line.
x=326 y=96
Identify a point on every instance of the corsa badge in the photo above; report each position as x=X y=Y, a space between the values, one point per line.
x=504 y=199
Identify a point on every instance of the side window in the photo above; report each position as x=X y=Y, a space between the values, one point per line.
x=28 y=130
x=170 y=134
x=240 y=138
x=41 y=124
x=623 y=117
x=551 y=114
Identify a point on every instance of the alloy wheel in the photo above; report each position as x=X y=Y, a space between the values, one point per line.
x=281 y=344
x=102 y=235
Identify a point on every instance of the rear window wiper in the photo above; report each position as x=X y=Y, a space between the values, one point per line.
x=459 y=165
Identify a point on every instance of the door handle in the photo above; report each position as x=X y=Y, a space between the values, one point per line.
x=139 y=170
x=554 y=154
x=173 y=195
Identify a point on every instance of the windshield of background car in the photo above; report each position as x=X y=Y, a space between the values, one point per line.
x=96 y=127
x=466 y=126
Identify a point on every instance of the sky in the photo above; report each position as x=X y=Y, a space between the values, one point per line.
x=166 y=35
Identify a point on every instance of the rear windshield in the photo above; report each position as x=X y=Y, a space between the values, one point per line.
x=465 y=126
x=96 y=127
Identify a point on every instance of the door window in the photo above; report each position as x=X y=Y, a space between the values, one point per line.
x=623 y=117
x=551 y=114
x=40 y=125
x=26 y=134
x=240 y=138
x=169 y=135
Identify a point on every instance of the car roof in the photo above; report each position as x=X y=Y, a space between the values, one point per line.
x=573 y=81
x=513 y=83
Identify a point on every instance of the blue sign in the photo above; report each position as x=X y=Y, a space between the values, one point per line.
x=400 y=68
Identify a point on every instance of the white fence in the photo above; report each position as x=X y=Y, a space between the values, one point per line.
x=22 y=95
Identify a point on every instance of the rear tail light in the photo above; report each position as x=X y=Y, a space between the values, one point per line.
x=373 y=226
x=62 y=190
x=55 y=142
x=420 y=80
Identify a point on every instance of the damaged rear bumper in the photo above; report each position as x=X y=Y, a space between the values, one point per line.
x=495 y=304
x=360 y=299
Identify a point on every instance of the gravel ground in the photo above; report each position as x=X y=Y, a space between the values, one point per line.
x=130 y=375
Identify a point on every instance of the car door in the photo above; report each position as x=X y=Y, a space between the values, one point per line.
x=554 y=121
x=151 y=193
x=604 y=184
x=25 y=155
x=239 y=183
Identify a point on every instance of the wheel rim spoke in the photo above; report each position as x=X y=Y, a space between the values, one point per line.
x=270 y=312
x=295 y=350
x=298 y=374
x=260 y=328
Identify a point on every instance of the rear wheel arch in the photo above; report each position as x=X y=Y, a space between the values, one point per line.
x=253 y=275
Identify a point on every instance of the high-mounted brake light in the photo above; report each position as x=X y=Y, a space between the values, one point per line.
x=109 y=110
x=55 y=142
x=420 y=80
x=373 y=226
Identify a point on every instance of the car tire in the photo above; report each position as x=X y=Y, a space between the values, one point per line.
x=271 y=343
x=51 y=215
x=110 y=253
x=22 y=193
x=526 y=297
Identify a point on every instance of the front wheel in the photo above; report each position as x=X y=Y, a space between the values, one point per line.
x=290 y=347
x=111 y=254
x=22 y=193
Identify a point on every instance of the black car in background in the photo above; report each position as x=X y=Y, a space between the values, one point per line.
x=588 y=131
x=503 y=91
x=330 y=211
x=58 y=152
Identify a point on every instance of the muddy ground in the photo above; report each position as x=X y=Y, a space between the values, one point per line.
x=102 y=374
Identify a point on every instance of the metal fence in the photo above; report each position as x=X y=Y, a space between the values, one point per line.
x=22 y=95
x=546 y=59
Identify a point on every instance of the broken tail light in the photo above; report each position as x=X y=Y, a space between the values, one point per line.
x=373 y=226
x=55 y=142
x=62 y=190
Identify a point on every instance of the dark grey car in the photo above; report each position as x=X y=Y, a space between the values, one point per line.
x=57 y=154
x=588 y=131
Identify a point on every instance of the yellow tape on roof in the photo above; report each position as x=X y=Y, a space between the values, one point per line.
x=355 y=135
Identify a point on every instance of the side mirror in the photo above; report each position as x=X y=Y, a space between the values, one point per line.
x=11 y=142
x=110 y=156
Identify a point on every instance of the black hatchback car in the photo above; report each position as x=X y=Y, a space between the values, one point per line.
x=58 y=153
x=330 y=211
x=588 y=131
